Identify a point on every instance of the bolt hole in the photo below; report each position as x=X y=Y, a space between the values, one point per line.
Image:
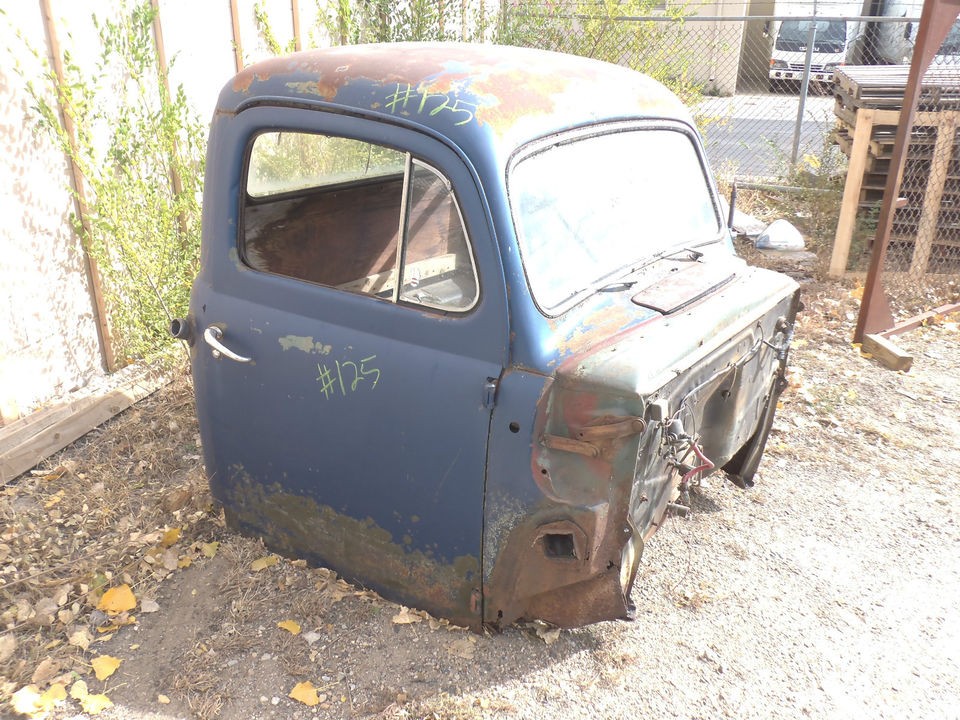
x=543 y=471
x=514 y=427
x=559 y=545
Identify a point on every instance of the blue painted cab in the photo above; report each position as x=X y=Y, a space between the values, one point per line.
x=468 y=324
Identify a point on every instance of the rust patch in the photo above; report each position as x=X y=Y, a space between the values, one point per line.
x=502 y=88
x=596 y=331
x=297 y=526
x=529 y=581
x=327 y=91
x=599 y=439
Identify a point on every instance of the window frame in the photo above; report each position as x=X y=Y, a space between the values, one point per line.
x=246 y=200
x=544 y=144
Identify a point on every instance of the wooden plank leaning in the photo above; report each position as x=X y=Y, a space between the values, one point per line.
x=26 y=442
x=851 y=192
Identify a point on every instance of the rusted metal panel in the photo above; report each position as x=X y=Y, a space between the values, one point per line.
x=473 y=94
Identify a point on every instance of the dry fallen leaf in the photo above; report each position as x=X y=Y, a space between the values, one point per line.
x=209 y=549
x=25 y=700
x=78 y=691
x=149 y=606
x=462 y=647
x=47 y=669
x=306 y=693
x=170 y=537
x=406 y=616
x=95 y=704
x=80 y=638
x=169 y=559
x=185 y=561
x=264 y=562
x=8 y=646
x=291 y=626
x=547 y=633
x=163 y=699
x=54 y=695
x=105 y=666
x=117 y=600
x=53 y=500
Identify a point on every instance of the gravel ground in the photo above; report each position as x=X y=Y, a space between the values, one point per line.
x=829 y=590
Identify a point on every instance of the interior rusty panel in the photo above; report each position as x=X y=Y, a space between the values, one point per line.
x=303 y=236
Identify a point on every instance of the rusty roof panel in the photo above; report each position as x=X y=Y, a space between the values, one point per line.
x=465 y=92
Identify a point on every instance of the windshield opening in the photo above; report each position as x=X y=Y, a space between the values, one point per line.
x=830 y=36
x=590 y=210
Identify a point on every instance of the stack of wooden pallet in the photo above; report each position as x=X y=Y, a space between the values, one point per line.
x=869 y=100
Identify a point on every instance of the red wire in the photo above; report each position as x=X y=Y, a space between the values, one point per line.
x=707 y=463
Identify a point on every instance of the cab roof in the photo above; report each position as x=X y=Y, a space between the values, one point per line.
x=474 y=95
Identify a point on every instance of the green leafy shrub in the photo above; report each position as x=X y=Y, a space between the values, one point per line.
x=140 y=153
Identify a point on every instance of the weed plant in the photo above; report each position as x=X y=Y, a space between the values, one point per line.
x=139 y=151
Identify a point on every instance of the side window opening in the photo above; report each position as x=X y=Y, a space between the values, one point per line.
x=330 y=210
x=437 y=266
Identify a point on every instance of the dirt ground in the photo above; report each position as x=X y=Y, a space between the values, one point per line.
x=827 y=591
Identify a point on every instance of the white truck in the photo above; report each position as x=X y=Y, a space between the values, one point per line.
x=837 y=31
x=893 y=42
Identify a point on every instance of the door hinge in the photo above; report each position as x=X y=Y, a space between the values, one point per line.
x=490 y=393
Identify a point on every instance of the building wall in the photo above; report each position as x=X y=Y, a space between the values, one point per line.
x=48 y=332
x=48 y=336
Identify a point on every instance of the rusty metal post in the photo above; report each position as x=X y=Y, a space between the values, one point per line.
x=935 y=22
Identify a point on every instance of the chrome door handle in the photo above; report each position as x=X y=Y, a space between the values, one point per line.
x=212 y=336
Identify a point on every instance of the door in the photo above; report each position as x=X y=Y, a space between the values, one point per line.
x=361 y=297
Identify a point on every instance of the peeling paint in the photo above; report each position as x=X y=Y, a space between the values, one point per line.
x=360 y=550
x=304 y=343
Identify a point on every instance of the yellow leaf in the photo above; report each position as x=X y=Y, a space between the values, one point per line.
x=25 y=700
x=291 y=626
x=170 y=537
x=306 y=693
x=163 y=699
x=264 y=562
x=56 y=474
x=209 y=549
x=857 y=293
x=105 y=666
x=117 y=600
x=184 y=562
x=54 y=695
x=54 y=499
x=78 y=691
x=95 y=704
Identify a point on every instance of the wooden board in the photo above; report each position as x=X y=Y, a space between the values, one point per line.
x=887 y=353
x=26 y=442
x=883 y=86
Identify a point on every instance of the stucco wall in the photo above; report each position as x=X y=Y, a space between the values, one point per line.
x=48 y=335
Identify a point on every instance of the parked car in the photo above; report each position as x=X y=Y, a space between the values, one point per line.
x=469 y=323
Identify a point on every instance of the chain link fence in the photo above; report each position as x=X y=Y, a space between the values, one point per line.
x=778 y=99
x=922 y=264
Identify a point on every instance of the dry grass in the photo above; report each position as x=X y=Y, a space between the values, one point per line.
x=87 y=519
